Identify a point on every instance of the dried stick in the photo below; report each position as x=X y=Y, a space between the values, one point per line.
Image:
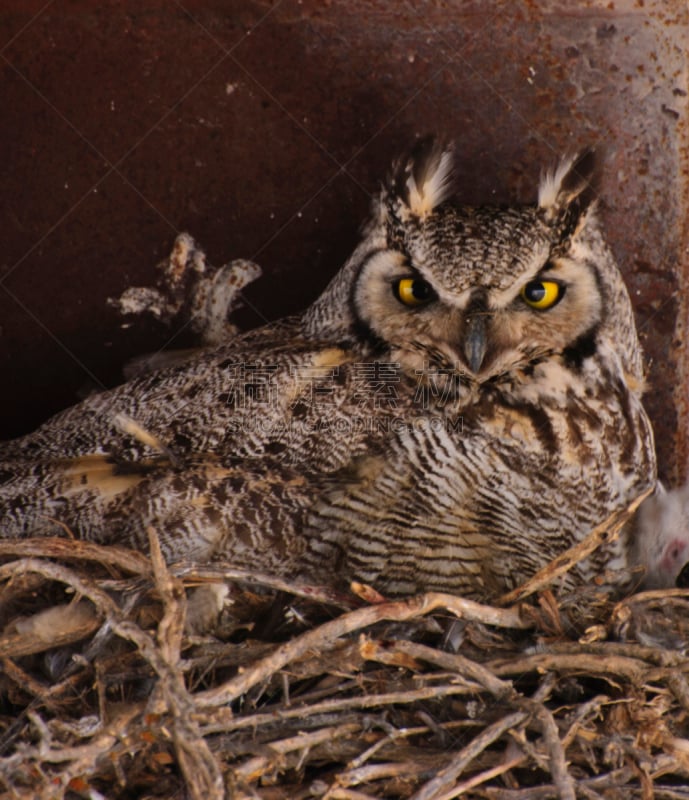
x=558 y=763
x=322 y=637
x=199 y=766
x=53 y=627
x=607 y=531
x=205 y=779
x=376 y=772
x=397 y=734
x=219 y=571
x=482 y=777
x=450 y=661
x=593 y=664
x=57 y=572
x=28 y=684
x=75 y=761
x=255 y=767
x=225 y=722
x=591 y=708
x=339 y=793
x=83 y=757
x=171 y=590
x=652 y=594
x=679 y=686
x=101 y=599
x=70 y=549
x=443 y=780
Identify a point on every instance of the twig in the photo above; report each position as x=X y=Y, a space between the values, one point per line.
x=631 y=669
x=355 y=698
x=340 y=793
x=76 y=549
x=28 y=683
x=219 y=571
x=433 y=789
x=558 y=763
x=376 y=772
x=662 y=595
x=55 y=627
x=590 y=708
x=449 y=661
x=224 y=721
x=171 y=590
x=606 y=532
x=207 y=780
x=391 y=737
x=679 y=686
x=74 y=761
x=200 y=768
x=483 y=777
x=322 y=637
x=258 y=765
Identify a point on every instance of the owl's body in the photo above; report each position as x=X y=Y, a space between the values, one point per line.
x=460 y=405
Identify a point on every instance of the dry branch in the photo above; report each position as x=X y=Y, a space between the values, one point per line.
x=447 y=776
x=324 y=636
x=368 y=704
x=606 y=532
x=201 y=770
x=77 y=550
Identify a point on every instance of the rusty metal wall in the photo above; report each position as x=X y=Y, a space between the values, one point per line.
x=263 y=127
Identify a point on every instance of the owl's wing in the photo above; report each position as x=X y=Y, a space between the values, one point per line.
x=263 y=402
x=250 y=513
x=42 y=496
x=178 y=404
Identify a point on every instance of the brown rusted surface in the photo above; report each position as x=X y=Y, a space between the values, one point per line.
x=263 y=127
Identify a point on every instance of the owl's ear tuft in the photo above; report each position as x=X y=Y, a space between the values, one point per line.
x=569 y=189
x=425 y=178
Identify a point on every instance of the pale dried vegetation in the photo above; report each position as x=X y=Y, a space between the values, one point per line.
x=298 y=692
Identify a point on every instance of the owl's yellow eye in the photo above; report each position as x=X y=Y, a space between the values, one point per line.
x=542 y=295
x=413 y=291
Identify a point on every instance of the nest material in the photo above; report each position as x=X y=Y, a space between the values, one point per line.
x=301 y=692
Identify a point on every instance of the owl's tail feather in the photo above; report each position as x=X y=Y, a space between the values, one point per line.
x=33 y=489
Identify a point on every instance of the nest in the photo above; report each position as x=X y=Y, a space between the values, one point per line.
x=124 y=678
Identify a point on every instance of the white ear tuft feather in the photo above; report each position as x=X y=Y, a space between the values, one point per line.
x=423 y=180
x=431 y=185
x=572 y=180
x=551 y=182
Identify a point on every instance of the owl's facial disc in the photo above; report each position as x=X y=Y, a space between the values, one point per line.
x=478 y=332
x=402 y=309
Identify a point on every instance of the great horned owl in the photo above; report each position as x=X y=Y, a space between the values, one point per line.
x=461 y=404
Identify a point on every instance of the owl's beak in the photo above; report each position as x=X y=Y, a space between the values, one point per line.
x=475 y=341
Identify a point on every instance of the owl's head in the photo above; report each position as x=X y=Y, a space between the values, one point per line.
x=485 y=291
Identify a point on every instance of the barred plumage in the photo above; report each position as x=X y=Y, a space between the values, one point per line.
x=461 y=404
